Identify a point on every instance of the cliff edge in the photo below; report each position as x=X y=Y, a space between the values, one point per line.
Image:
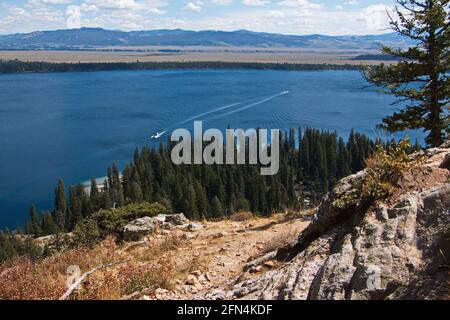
x=395 y=248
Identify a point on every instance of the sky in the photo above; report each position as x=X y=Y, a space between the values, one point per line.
x=299 y=17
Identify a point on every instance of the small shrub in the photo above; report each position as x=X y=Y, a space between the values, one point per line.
x=385 y=168
x=241 y=216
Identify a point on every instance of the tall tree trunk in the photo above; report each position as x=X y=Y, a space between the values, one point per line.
x=435 y=136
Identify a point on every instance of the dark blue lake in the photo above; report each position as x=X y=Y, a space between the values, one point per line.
x=73 y=125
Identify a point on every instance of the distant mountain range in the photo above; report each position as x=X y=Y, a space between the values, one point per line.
x=96 y=37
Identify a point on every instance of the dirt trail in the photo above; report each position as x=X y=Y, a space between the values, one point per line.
x=219 y=251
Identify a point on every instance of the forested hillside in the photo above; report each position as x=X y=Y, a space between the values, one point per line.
x=309 y=167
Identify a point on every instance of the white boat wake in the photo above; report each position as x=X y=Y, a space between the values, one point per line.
x=209 y=112
x=248 y=106
x=229 y=106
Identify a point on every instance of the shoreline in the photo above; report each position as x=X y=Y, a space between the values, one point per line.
x=17 y=66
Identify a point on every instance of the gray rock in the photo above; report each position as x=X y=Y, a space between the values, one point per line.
x=177 y=219
x=160 y=218
x=194 y=226
x=139 y=228
x=445 y=164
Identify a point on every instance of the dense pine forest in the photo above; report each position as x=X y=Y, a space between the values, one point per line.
x=311 y=162
x=15 y=66
x=309 y=167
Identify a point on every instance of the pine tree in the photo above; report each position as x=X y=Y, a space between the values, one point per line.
x=343 y=165
x=35 y=222
x=216 y=208
x=75 y=205
x=421 y=78
x=94 y=194
x=189 y=201
x=106 y=200
x=60 y=213
x=116 y=186
x=136 y=192
x=202 y=201
x=242 y=204
x=46 y=252
x=262 y=202
x=28 y=227
x=48 y=225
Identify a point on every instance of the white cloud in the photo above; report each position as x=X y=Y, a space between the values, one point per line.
x=38 y=2
x=282 y=16
x=222 y=2
x=305 y=4
x=85 y=7
x=33 y=18
x=376 y=17
x=255 y=3
x=296 y=20
x=115 y=4
x=139 y=15
x=351 y=2
x=126 y=4
x=194 y=6
x=156 y=11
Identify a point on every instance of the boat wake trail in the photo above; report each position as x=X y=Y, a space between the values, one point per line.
x=209 y=112
x=251 y=105
x=257 y=101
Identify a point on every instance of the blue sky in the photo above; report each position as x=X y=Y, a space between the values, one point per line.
x=332 y=17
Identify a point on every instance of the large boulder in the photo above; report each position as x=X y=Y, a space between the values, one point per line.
x=139 y=228
x=395 y=249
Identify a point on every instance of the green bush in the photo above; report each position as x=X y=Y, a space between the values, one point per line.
x=12 y=245
x=86 y=233
x=111 y=222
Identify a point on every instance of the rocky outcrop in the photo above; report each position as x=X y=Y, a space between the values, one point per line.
x=141 y=227
x=138 y=228
x=395 y=249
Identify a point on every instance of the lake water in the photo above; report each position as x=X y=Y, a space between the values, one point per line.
x=73 y=125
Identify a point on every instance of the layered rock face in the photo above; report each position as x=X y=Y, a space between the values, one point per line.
x=395 y=249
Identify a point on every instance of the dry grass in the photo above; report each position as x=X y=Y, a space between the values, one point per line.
x=283 y=238
x=46 y=279
x=295 y=214
x=153 y=266
x=127 y=279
